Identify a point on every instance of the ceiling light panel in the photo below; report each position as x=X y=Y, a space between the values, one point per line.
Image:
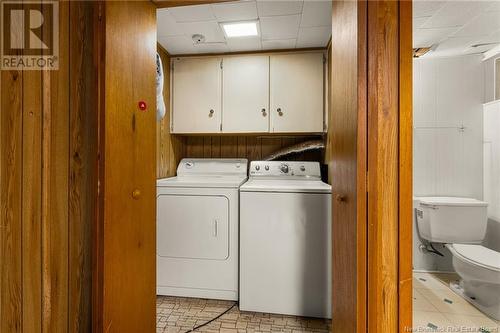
x=240 y=29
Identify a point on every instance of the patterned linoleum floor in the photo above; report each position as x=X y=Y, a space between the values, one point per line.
x=436 y=308
x=180 y=314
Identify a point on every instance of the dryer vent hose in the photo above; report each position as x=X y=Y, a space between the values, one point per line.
x=296 y=149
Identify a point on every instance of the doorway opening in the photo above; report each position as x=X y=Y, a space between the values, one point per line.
x=456 y=226
x=245 y=86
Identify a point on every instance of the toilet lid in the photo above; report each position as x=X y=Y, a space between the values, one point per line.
x=479 y=255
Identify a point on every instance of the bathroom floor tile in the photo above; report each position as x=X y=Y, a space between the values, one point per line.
x=446 y=301
x=451 y=312
x=420 y=303
x=181 y=314
x=426 y=321
x=474 y=322
x=428 y=281
x=446 y=278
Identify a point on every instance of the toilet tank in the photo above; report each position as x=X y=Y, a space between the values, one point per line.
x=451 y=219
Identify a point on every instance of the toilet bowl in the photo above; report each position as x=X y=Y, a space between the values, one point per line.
x=460 y=223
x=479 y=270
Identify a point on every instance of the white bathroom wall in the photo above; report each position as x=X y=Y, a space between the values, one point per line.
x=448 y=95
x=448 y=134
x=489 y=78
x=492 y=172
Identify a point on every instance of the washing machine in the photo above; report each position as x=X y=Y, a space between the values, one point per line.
x=285 y=240
x=197 y=229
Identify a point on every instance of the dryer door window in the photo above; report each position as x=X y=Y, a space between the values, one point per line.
x=193 y=226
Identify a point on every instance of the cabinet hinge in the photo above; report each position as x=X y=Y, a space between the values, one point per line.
x=324 y=59
x=220 y=127
x=221 y=64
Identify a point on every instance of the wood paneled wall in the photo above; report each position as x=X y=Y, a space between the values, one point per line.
x=127 y=212
x=48 y=185
x=347 y=161
x=250 y=147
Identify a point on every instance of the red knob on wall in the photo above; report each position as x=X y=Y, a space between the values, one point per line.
x=142 y=106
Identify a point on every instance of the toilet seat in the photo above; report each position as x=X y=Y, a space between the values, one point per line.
x=477 y=255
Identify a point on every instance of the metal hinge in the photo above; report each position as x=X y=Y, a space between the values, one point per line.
x=221 y=127
x=324 y=59
x=221 y=64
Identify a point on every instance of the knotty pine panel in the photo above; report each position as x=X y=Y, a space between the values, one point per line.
x=47 y=162
x=250 y=147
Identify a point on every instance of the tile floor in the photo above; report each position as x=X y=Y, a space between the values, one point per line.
x=180 y=314
x=436 y=308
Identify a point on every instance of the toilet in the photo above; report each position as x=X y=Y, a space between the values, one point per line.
x=461 y=223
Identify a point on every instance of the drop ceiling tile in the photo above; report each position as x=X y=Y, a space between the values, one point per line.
x=316 y=13
x=211 y=30
x=453 y=46
x=244 y=44
x=279 y=7
x=279 y=44
x=279 y=27
x=235 y=11
x=314 y=37
x=176 y=44
x=481 y=25
x=428 y=37
x=167 y=26
x=455 y=13
x=419 y=21
x=494 y=37
x=192 y=13
x=426 y=8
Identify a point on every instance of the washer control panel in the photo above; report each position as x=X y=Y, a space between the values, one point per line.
x=284 y=168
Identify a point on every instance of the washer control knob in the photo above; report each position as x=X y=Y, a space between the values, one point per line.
x=284 y=168
x=257 y=167
x=302 y=168
x=266 y=167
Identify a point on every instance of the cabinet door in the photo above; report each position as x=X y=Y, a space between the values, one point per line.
x=196 y=95
x=297 y=92
x=245 y=106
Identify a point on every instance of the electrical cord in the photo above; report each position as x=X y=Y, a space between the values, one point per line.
x=213 y=319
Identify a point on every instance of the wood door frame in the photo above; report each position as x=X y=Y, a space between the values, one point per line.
x=373 y=274
x=382 y=236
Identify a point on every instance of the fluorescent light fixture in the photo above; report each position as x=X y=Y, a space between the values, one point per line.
x=240 y=29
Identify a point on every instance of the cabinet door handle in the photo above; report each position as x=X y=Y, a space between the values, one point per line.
x=211 y=113
x=279 y=112
x=216 y=228
x=263 y=112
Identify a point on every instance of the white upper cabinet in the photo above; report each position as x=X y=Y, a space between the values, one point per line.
x=196 y=95
x=279 y=93
x=245 y=96
x=296 y=92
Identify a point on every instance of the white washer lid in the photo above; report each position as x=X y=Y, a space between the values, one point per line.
x=479 y=255
x=202 y=181
x=286 y=185
x=451 y=201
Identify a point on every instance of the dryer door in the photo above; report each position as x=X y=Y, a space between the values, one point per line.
x=193 y=226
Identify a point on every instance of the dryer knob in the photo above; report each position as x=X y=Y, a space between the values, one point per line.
x=257 y=167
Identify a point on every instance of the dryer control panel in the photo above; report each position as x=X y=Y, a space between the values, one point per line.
x=296 y=169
